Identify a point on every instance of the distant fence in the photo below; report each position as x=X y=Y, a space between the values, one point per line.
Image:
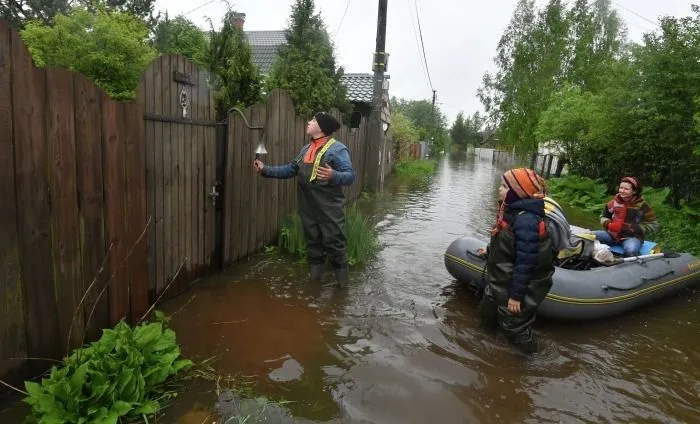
x=109 y=205
x=547 y=165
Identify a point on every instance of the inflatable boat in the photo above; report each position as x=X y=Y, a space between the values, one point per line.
x=599 y=292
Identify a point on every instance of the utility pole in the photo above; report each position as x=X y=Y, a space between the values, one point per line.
x=434 y=122
x=375 y=153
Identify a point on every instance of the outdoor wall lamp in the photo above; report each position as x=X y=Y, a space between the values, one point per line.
x=260 y=150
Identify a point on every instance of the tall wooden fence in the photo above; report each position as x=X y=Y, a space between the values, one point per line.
x=106 y=205
x=73 y=207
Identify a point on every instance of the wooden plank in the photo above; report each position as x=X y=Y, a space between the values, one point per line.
x=274 y=147
x=199 y=149
x=114 y=186
x=262 y=212
x=209 y=178
x=13 y=336
x=32 y=190
x=159 y=174
x=180 y=228
x=231 y=196
x=190 y=157
x=146 y=97
x=168 y=133
x=240 y=236
x=137 y=209
x=88 y=143
x=64 y=200
x=250 y=187
x=189 y=207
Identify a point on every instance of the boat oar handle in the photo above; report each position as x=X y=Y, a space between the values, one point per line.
x=644 y=279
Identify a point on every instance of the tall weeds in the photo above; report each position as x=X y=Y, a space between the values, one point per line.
x=361 y=236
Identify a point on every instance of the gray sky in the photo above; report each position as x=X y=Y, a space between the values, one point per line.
x=460 y=37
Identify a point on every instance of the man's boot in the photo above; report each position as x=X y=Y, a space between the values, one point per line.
x=317 y=271
x=342 y=276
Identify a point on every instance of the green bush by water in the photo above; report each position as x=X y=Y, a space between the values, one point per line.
x=415 y=168
x=119 y=378
x=362 y=237
x=679 y=227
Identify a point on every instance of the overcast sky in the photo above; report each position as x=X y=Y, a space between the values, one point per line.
x=460 y=37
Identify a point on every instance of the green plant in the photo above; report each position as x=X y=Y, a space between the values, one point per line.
x=415 y=168
x=361 y=236
x=120 y=376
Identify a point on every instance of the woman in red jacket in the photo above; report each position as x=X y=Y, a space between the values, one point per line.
x=628 y=219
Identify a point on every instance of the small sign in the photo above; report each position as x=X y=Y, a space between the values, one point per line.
x=182 y=78
x=184 y=102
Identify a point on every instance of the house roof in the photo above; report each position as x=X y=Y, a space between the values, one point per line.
x=360 y=87
x=264 y=46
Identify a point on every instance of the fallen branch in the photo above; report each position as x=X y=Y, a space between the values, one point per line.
x=9 y=386
x=164 y=290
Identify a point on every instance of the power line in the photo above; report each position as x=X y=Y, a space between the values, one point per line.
x=199 y=7
x=342 y=19
x=636 y=14
x=415 y=37
x=423 y=46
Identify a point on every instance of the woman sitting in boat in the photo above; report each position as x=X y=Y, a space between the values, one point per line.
x=627 y=218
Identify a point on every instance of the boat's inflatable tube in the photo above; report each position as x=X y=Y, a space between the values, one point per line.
x=587 y=295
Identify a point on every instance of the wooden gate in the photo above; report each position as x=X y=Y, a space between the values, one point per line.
x=180 y=136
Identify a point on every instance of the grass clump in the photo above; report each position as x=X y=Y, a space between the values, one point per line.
x=118 y=379
x=679 y=227
x=421 y=168
x=362 y=237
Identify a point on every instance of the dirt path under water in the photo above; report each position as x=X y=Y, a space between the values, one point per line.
x=402 y=343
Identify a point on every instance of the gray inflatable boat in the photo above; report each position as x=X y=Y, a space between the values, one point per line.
x=599 y=292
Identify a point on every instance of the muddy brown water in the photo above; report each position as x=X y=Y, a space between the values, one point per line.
x=402 y=344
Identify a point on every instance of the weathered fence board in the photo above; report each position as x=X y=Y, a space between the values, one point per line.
x=88 y=136
x=13 y=338
x=64 y=204
x=33 y=203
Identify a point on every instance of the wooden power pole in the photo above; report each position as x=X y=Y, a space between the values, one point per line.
x=375 y=160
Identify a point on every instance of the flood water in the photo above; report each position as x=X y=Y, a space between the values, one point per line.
x=402 y=343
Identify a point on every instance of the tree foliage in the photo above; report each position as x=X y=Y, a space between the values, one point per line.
x=431 y=124
x=237 y=82
x=404 y=133
x=306 y=65
x=109 y=47
x=21 y=12
x=181 y=36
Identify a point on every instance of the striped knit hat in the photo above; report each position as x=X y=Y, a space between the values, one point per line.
x=523 y=183
x=633 y=182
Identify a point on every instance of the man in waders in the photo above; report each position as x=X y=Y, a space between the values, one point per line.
x=323 y=167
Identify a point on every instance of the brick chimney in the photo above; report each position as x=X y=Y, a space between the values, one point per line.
x=238 y=20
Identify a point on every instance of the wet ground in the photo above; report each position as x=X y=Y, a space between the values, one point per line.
x=402 y=343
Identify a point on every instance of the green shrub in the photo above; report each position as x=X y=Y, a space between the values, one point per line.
x=120 y=376
x=362 y=237
x=415 y=168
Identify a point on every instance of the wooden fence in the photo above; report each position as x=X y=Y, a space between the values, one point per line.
x=73 y=208
x=108 y=205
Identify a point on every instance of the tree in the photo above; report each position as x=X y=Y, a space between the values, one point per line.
x=237 y=82
x=19 y=12
x=181 y=36
x=404 y=133
x=108 y=47
x=306 y=65
x=459 y=131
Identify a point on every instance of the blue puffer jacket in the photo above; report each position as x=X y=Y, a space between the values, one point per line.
x=337 y=157
x=520 y=255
